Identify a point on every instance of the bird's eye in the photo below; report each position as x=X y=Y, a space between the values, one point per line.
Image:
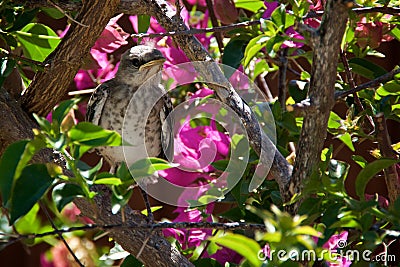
x=135 y=62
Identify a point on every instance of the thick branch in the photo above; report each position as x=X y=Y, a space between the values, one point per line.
x=157 y=251
x=193 y=49
x=51 y=85
x=326 y=43
x=385 y=147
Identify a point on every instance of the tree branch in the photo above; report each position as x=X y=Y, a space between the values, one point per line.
x=214 y=23
x=194 y=31
x=51 y=85
x=371 y=84
x=162 y=225
x=385 y=147
x=155 y=249
x=280 y=169
x=326 y=44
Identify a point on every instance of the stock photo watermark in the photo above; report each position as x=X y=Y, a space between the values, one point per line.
x=332 y=255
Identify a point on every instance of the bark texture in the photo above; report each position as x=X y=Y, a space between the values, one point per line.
x=326 y=47
x=154 y=249
x=50 y=86
x=385 y=147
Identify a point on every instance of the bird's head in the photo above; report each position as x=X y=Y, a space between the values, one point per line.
x=139 y=63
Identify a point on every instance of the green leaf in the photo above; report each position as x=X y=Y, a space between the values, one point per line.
x=206 y=262
x=370 y=171
x=220 y=164
x=366 y=68
x=43 y=122
x=260 y=67
x=153 y=209
x=359 y=160
x=10 y=39
x=64 y=193
x=30 y=223
x=346 y=139
x=143 y=23
x=334 y=121
x=233 y=55
x=8 y=165
x=86 y=171
x=88 y=134
x=273 y=45
x=53 y=12
x=389 y=88
x=22 y=20
x=6 y=67
x=298 y=90
x=148 y=166
x=63 y=108
x=395 y=33
x=131 y=261
x=251 y=5
x=38 y=41
x=245 y=246
x=253 y=47
x=278 y=16
x=108 y=181
x=28 y=189
x=306 y=230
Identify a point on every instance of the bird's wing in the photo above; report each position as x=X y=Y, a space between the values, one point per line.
x=96 y=103
x=167 y=134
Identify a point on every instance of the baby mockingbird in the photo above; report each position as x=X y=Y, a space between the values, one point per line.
x=123 y=103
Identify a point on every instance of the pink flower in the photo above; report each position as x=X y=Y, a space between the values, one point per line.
x=335 y=242
x=190 y=238
x=72 y=212
x=290 y=32
x=102 y=69
x=271 y=6
x=197 y=2
x=372 y=33
x=368 y=34
x=382 y=201
x=293 y=35
x=112 y=38
x=225 y=255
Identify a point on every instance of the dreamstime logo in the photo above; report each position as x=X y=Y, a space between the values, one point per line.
x=332 y=255
x=211 y=110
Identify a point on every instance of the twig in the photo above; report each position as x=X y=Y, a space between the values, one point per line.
x=144 y=244
x=214 y=23
x=371 y=84
x=145 y=196
x=282 y=78
x=264 y=87
x=43 y=207
x=23 y=59
x=360 y=10
x=161 y=225
x=198 y=31
x=352 y=83
x=66 y=14
x=301 y=109
x=81 y=92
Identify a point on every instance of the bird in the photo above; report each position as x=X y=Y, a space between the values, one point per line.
x=121 y=104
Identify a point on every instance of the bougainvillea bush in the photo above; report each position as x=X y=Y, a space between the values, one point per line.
x=342 y=220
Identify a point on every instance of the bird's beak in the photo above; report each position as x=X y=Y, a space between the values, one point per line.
x=152 y=63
